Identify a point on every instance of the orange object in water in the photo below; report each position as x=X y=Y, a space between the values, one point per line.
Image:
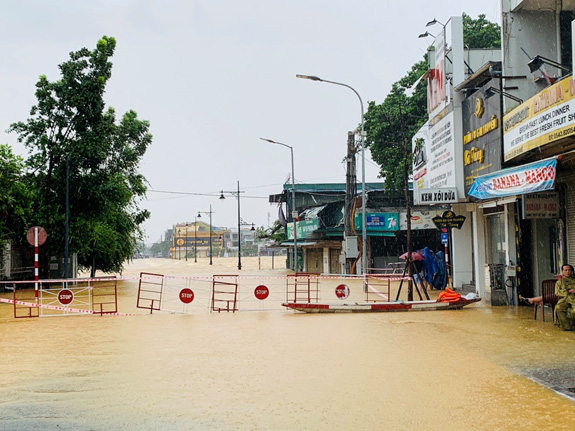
x=448 y=295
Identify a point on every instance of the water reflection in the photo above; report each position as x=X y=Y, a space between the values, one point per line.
x=279 y=370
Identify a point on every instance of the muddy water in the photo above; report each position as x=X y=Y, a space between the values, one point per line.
x=278 y=370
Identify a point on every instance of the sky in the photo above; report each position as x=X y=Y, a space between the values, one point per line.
x=214 y=76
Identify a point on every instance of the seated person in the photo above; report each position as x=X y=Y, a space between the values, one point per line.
x=565 y=291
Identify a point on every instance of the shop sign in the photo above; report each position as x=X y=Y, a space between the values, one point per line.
x=379 y=221
x=419 y=219
x=441 y=162
x=481 y=140
x=543 y=119
x=303 y=227
x=529 y=178
x=420 y=150
x=435 y=196
x=449 y=220
x=541 y=205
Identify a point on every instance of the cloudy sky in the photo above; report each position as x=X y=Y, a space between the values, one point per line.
x=213 y=76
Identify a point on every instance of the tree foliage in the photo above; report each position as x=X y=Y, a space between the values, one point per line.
x=276 y=233
x=480 y=32
x=15 y=196
x=71 y=130
x=390 y=125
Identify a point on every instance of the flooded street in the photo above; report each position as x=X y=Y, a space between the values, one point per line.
x=280 y=370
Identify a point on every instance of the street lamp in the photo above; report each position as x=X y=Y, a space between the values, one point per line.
x=237 y=194
x=196 y=239
x=363 y=195
x=433 y=22
x=179 y=243
x=186 y=242
x=293 y=206
x=210 y=212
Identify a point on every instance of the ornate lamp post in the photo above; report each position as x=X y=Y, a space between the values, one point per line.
x=210 y=212
x=196 y=239
x=237 y=194
x=186 y=243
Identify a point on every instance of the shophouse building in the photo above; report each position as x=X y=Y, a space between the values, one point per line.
x=518 y=160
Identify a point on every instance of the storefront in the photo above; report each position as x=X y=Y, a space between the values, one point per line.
x=482 y=156
x=520 y=210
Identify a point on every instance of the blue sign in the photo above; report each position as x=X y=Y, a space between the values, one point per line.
x=444 y=238
x=529 y=178
x=388 y=222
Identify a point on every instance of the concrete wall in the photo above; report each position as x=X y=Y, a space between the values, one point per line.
x=462 y=256
x=534 y=31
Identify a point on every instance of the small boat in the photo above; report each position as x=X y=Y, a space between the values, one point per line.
x=375 y=307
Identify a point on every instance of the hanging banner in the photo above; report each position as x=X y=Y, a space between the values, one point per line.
x=436 y=94
x=530 y=178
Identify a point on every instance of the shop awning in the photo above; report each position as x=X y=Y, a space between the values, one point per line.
x=312 y=212
x=289 y=243
x=532 y=177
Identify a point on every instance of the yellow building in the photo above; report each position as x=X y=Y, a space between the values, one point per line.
x=192 y=241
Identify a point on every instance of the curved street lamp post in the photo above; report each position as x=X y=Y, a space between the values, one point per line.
x=196 y=239
x=363 y=194
x=210 y=212
x=186 y=243
x=237 y=195
x=293 y=206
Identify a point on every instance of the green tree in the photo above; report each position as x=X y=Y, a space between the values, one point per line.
x=15 y=196
x=71 y=134
x=276 y=233
x=390 y=125
x=162 y=247
x=480 y=32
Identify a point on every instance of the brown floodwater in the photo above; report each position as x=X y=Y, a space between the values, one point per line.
x=266 y=368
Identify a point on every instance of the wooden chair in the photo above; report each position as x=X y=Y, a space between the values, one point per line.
x=548 y=295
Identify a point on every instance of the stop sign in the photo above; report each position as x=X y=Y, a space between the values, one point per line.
x=65 y=296
x=42 y=235
x=342 y=291
x=186 y=295
x=261 y=292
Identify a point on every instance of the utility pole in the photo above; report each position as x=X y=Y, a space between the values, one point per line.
x=350 y=191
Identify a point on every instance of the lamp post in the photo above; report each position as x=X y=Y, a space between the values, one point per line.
x=186 y=243
x=363 y=194
x=210 y=212
x=195 y=239
x=237 y=194
x=293 y=206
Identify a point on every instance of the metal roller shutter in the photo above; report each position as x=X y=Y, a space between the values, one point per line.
x=568 y=180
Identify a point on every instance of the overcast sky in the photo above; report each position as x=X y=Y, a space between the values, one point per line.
x=213 y=76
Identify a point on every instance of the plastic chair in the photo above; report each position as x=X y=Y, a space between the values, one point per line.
x=548 y=295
